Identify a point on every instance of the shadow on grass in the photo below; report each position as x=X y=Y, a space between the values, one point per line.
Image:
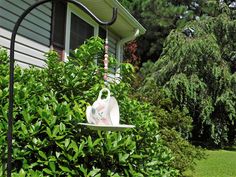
x=230 y=148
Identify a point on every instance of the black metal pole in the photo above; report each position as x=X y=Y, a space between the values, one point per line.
x=12 y=61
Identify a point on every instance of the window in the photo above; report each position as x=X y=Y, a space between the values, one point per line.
x=79 y=31
x=79 y=27
x=71 y=27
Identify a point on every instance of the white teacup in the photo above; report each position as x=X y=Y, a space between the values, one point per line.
x=104 y=111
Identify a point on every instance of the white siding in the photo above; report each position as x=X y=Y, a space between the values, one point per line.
x=26 y=50
x=33 y=37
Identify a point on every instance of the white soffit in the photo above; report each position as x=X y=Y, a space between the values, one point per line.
x=125 y=24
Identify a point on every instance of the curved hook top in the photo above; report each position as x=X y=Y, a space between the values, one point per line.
x=87 y=11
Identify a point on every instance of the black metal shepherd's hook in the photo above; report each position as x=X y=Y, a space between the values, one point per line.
x=12 y=61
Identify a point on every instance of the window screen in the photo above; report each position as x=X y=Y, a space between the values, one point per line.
x=79 y=32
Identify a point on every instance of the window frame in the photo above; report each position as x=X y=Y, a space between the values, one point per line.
x=78 y=12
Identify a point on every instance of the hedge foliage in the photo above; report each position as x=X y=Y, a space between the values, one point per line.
x=48 y=105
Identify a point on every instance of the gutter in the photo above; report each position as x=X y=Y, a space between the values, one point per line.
x=120 y=44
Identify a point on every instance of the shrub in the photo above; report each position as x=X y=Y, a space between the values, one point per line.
x=175 y=126
x=49 y=104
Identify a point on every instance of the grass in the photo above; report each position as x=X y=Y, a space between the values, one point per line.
x=219 y=163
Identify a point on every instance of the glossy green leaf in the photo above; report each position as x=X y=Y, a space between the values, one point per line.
x=43 y=155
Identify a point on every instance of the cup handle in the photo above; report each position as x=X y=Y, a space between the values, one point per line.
x=104 y=90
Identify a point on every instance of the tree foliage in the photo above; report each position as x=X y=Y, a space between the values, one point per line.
x=159 y=17
x=175 y=127
x=198 y=74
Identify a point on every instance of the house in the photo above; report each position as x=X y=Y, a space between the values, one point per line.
x=63 y=27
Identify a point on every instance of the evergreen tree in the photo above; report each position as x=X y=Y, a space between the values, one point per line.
x=197 y=71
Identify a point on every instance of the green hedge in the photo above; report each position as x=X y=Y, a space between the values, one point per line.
x=49 y=104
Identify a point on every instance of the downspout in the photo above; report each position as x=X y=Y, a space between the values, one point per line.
x=119 y=51
x=120 y=44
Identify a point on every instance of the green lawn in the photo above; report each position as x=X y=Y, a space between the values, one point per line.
x=219 y=163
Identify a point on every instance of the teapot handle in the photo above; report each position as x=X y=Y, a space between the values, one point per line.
x=104 y=90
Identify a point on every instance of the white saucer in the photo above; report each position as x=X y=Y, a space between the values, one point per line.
x=108 y=127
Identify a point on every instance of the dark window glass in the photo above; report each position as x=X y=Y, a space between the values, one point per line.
x=79 y=32
x=59 y=23
x=102 y=33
